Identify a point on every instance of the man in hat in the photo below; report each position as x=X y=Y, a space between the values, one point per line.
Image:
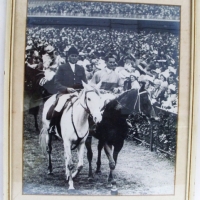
x=68 y=78
x=70 y=75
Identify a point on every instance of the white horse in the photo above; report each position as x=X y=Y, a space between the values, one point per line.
x=74 y=128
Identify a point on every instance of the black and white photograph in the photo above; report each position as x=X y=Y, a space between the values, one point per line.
x=101 y=98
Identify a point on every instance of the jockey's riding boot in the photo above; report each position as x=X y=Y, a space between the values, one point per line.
x=53 y=121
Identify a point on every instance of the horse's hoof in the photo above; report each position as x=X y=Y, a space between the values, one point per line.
x=90 y=179
x=50 y=173
x=112 y=165
x=114 y=191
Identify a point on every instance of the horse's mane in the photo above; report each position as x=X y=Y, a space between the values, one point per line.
x=125 y=102
x=80 y=93
x=128 y=100
x=131 y=102
x=125 y=95
x=95 y=89
x=92 y=87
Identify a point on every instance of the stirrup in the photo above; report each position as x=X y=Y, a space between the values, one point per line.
x=51 y=130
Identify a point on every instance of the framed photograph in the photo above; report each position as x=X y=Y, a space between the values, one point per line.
x=99 y=99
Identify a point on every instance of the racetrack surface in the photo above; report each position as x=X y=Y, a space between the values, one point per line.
x=138 y=171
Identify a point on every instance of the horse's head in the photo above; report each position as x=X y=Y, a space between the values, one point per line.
x=145 y=104
x=91 y=100
x=133 y=101
x=128 y=101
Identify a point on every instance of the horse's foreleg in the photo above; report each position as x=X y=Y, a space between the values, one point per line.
x=49 y=150
x=88 y=144
x=108 y=151
x=80 y=160
x=117 y=148
x=100 y=146
x=69 y=165
x=111 y=177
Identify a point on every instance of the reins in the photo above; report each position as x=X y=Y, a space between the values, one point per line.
x=138 y=100
x=88 y=111
x=85 y=101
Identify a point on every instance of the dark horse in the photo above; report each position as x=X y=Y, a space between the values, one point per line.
x=112 y=130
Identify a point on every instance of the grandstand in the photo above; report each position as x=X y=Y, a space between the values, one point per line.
x=103 y=10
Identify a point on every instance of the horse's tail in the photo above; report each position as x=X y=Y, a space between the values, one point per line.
x=43 y=140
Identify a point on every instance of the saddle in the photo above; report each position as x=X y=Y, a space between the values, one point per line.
x=67 y=104
x=51 y=109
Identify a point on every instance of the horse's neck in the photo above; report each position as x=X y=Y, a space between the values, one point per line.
x=80 y=116
x=128 y=101
x=125 y=98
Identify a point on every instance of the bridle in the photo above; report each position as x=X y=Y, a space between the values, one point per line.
x=85 y=101
x=88 y=111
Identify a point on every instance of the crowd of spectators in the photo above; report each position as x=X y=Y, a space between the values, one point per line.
x=141 y=56
x=69 y=8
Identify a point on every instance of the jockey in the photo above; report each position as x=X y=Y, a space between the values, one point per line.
x=107 y=79
x=68 y=78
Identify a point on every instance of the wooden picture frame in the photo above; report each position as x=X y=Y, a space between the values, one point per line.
x=14 y=103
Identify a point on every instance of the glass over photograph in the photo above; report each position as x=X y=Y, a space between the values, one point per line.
x=101 y=84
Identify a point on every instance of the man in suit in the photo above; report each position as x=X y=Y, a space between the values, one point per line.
x=70 y=75
x=68 y=78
